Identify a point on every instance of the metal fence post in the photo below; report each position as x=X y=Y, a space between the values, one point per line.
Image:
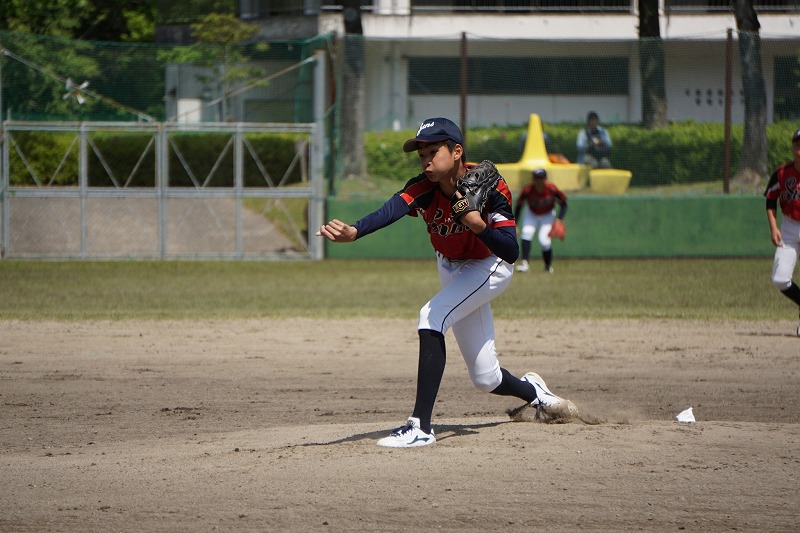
x=238 y=185
x=4 y=185
x=316 y=207
x=162 y=178
x=83 y=179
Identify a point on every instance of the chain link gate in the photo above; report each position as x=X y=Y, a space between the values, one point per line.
x=106 y=190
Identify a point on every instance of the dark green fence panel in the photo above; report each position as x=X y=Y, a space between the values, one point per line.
x=618 y=227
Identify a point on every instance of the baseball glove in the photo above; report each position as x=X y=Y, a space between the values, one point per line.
x=559 y=230
x=475 y=187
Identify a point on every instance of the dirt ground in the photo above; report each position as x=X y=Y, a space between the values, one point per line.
x=270 y=425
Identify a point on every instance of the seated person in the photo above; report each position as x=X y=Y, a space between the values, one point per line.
x=593 y=143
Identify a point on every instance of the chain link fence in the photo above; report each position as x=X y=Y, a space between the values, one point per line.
x=127 y=190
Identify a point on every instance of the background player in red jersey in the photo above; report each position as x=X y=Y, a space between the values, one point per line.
x=475 y=255
x=537 y=201
x=784 y=188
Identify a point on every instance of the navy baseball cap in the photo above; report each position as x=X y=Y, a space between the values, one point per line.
x=540 y=173
x=796 y=136
x=434 y=130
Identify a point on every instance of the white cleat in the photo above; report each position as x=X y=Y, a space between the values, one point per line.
x=408 y=436
x=523 y=266
x=548 y=403
x=548 y=270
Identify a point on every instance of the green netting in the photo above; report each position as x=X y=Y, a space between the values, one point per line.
x=43 y=79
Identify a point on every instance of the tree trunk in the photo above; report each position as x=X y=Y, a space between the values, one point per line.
x=754 y=144
x=651 y=66
x=351 y=123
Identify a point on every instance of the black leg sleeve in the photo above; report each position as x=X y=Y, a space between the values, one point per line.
x=513 y=386
x=429 y=375
x=547 y=257
x=526 y=250
x=793 y=293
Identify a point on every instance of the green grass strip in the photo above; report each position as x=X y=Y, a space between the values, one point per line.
x=704 y=289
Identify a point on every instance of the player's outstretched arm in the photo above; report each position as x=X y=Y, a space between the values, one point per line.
x=338 y=231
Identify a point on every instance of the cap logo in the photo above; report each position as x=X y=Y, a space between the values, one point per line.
x=425 y=125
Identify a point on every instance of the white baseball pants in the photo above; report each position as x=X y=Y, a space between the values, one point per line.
x=786 y=255
x=463 y=304
x=532 y=222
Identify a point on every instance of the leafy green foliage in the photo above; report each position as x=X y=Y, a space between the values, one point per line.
x=50 y=158
x=683 y=153
x=275 y=153
x=172 y=12
x=39 y=91
x=44 y=17
x=54 y=157
x=221 y=53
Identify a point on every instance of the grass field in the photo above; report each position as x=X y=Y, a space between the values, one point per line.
x=708 y=289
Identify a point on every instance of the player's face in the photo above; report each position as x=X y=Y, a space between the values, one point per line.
x=438 y=162
x=796 y=151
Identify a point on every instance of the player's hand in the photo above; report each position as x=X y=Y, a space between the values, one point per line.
x=469 y=216
x=338 y=231
x=777 y=238
x=473 y=221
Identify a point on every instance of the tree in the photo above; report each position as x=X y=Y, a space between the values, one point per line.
x=35 y=69
x=220 y=51
x=119 y=20
x=91 y=20
x=754 y=144
x=58 y=18
x=352 y=93
x=651 y=66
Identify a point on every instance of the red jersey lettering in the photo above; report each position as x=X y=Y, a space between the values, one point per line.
x=784 y=186
x=451 y=239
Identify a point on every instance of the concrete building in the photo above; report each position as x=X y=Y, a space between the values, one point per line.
x=407 y=40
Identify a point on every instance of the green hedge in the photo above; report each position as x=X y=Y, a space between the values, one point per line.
x=45 y=153
x=682 y=153
x=685 y=152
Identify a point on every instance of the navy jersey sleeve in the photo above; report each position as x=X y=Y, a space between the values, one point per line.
x=500 y=236
x=772 y=191
x=501 y=241
x=393 y=210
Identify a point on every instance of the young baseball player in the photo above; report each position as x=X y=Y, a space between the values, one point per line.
x=475 y=249
x=538 y=200
x=784 y=189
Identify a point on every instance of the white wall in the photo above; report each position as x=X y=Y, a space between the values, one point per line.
x=590 y=26
x=691 y=66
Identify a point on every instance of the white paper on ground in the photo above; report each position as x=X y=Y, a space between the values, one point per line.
x=685 y=416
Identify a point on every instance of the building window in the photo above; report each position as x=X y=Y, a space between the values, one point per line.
x=520 y=76
x=787 y=88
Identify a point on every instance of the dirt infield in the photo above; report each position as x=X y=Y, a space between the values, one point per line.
x=270 y=425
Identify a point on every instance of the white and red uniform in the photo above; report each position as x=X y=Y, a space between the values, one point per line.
x=470 y=275
x=539 y=211
x=784 y=187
